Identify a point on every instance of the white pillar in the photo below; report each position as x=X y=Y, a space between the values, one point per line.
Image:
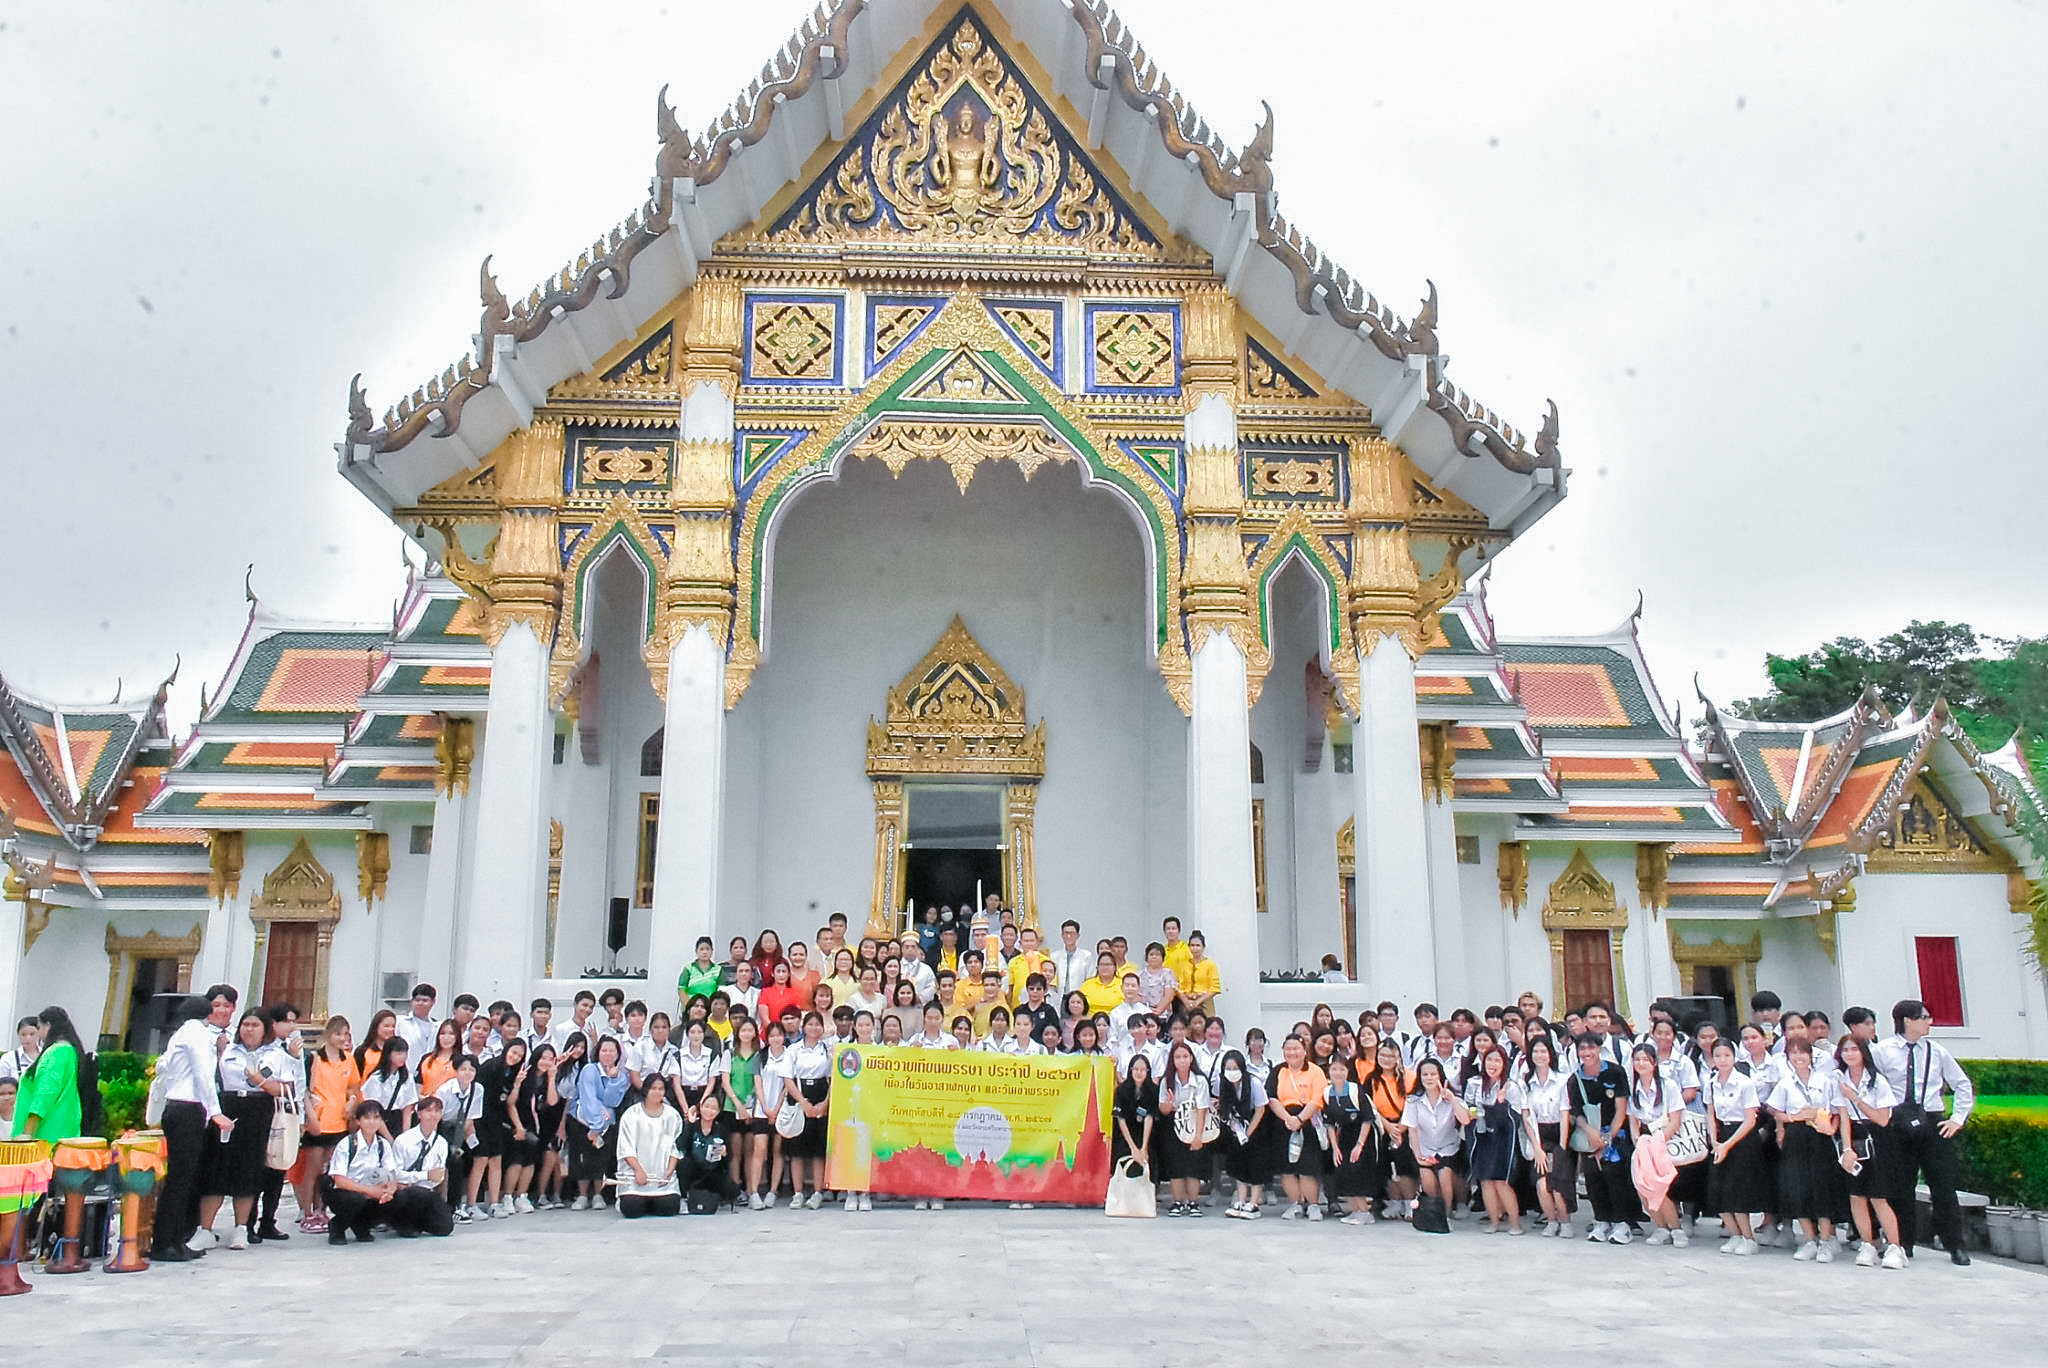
x=688 y=835
x=215 y=961
x=1222 y=896
x=1453 y=976
x=1393 y=865
x=504 y=904
x=13 y=931
x=443 y=896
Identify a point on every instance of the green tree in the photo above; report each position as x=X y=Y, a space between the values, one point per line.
x=1909 y=668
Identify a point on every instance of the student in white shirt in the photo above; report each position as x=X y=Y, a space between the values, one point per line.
x=187 y=1069
x=284 y=1059
x=934 y=1036
x=809 y=1085
x=1539 y=1099
x=417 y=1026
x=28 y=1043
x=1654 y=1107
x=420 y=1158
x=1812 y=1185
x=391 y=1086
x=1862 y=1102
x=1738 y=1183
x=647 y=1155
x=915 y=971
x=1919 y=1070
x=462 y=1103
x=697 y=1068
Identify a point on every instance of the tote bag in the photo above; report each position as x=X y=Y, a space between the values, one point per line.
x=1132 y=1191
x=1687 y=1141
x=282 y=1150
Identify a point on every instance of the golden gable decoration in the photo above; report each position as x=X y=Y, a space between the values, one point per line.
x=299 y=889
x=956 y=712
x=1926 y=835
x=964 y=154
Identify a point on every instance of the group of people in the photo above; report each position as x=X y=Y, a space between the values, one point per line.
x=427 y=1122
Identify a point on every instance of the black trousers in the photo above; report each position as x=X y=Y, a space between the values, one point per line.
x=410 y=1209
x=177 y=1201
x=1924 y=1149
x=273 y=1193
x=712 y=1177
x=633 y=1208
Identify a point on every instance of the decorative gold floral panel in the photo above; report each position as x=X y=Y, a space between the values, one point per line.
x=794 y=339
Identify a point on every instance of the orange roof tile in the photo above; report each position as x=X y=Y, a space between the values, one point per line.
x=1853 y=802
x=1569 y=694
x=269 y=754
x=1456 y=685
x=1569 y=767
x=310 y=679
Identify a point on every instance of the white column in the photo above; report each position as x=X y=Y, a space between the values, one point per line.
x=13 y=931
x=1453 y=977
x=1222 y=896
x=504 y=904
x=443 y=896
x=1396 y=921
x=215 y=961
x=688 y=836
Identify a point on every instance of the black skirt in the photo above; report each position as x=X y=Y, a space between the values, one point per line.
x=1741 y=1182
x=1300 y=1151
x=1879 y=1176
x=1249 y=1161
x=235 y=1168
x=810 y=1143
x=590 y=1163
x=1360 y=1178
x=1811 y=1184
x=1177 y=1159
x=1494 y=1150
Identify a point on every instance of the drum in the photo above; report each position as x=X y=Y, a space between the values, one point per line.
x=80 y=1165
x=142 y=1155
x=24 y=1174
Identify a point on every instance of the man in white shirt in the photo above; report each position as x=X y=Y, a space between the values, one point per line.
x=1919 y=1071
x=189 y=1070
x=916 y=970
x=28 y=1043
x=540 y=1027
x=417 y=1027
x=1072 y=963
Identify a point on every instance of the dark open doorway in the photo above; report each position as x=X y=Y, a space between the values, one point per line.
x=946 y=878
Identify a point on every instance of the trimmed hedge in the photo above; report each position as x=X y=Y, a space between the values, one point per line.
x=2008 y=1075
x=2004 y=1155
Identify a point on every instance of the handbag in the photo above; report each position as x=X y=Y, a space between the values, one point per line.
x=1861 y=1141
x=1431 y=1216
x=1687 y=1142
x=789 y=1121
x=701 y=1202
x=1132 y=1192
x=286 y=1126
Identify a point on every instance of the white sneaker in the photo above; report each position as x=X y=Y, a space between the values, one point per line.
x=1315 y=1212
x=817 y=1201
x=580 y=1204
x=1599 y=1233
x=1745 y=1247
x=1728 y=1245
x=867 y=1201
x=1565 y=1232
x=240 y=1239
x=1621 y=1235
x=202 y=1240
x=504 y=1209
x=1826 y=1254
x=1866 y=1257
x=1293 y=1212
x=796 y=1199
x=754 y=1202
x=852 y=1203
x=1808 y=1252
x=938 y=1205
x=1659 y=1236
x=1680 y=1238
x=1253 y=1213
x=1894 y=1257
x=524 y=1206
x=918 y=1205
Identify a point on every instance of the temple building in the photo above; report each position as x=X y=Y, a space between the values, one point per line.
x=958 y=477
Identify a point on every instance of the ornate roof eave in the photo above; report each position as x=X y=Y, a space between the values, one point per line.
x=2004 y=797
x=1786 y=833
x=1308 y=302
x=80 y=819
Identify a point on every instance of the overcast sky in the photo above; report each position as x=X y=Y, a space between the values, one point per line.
x=1780 y=266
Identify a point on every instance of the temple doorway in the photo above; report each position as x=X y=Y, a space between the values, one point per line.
x=953 y=843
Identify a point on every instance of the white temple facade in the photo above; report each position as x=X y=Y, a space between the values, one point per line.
x=958 y=477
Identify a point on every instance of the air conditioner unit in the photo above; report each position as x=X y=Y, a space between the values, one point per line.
x=397 y=991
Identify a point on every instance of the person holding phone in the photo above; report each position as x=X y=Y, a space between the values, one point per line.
x=1597 y=1093
x=1862 y=1102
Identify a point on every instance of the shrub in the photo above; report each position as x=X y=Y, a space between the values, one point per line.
x=2004 y=1155
x=2008 y=1075
x=124 y=1088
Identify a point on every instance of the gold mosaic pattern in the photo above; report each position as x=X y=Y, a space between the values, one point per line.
x=894 y=323
x=792 y=340
x=1037 y=327
x=1134 y=349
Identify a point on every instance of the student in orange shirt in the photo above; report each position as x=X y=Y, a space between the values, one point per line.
x=333 y=1086
x=802 y=976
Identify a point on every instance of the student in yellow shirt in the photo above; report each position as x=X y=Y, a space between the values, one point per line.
x=1121 y=948
x=1028 y=960
x=949 y=950
x=1203 y=981
x=991 y=1002
x=1106 y=989
x=967 y=986
x=1177 y=956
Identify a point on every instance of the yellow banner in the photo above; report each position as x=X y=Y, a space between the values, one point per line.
x=964 y=1123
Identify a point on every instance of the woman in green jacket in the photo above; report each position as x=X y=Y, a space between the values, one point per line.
x=49 y=1107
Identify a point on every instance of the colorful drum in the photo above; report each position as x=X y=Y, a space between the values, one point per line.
x=24 y=1174
x=142 y=1155
x=81 y=1165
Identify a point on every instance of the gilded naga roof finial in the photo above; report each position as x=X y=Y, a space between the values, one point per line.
x=1546 y=440
x=360 y=420
x=497 y=309
x=1422 y=332
x=1255 y=163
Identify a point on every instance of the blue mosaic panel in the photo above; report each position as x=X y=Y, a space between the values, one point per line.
x=795 y=340
x=1133 y=349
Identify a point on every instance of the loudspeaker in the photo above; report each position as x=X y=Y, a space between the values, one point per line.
x=615 y=927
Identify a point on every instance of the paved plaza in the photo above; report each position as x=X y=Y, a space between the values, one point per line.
x=975 y=1285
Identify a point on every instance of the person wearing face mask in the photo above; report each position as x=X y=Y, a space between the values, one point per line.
x=1241 y=1106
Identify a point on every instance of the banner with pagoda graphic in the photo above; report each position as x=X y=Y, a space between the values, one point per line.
x=963 y=1123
